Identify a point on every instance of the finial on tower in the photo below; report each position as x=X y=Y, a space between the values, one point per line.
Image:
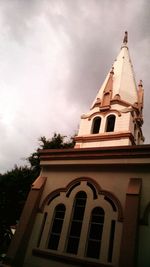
x=140 y=96
x=141 y=83
x=112 y=70
x=125 y=40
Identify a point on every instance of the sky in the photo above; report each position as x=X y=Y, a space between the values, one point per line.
x=54 y=56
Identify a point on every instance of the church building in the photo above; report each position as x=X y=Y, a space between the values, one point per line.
x=90 y=206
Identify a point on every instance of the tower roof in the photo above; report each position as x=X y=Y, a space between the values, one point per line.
x=124 y=83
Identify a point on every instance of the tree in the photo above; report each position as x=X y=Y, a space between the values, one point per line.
x=15 y=186
x=56 y=142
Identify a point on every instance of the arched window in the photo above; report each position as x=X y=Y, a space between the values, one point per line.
x=84 y=226
x=76 y=222
x=95 y=233
x=110 y=124
x=96 y=125
x=55 y=233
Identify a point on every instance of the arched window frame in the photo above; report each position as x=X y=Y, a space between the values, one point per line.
x=94 y=199
x=96 y=125
x=110 y=123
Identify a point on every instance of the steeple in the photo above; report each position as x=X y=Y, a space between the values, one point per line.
x=124 y=85
x=115 y=117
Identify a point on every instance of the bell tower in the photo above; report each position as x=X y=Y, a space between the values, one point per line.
x=91 y=206
x=115 y=117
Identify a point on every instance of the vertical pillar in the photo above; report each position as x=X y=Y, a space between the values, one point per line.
x=131 y=218
x=18 y=246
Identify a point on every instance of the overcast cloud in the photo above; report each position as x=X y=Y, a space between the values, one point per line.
x=54 y=55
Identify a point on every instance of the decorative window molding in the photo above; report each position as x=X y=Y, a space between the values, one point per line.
x=90 y=182
x=103 y=113
x=79 y=219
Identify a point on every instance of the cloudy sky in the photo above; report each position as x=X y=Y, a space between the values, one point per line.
x=54 y=55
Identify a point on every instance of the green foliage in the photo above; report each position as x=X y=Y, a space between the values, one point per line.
x=14 y=188
x=15 y=185
x=56 y=142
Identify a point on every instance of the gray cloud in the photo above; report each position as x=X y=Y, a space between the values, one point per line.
x=18 y=15
x=54 y=56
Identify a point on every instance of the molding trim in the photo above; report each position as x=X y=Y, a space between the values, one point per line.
x=69 y=259
x=121 y=152
x=120 y=102
x=101 y=113
x=99 y=191
x=105 y=137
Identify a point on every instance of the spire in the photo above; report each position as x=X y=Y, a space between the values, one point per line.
x=124 y=84
x=115 y=117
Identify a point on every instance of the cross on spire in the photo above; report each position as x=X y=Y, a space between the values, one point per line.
x=125 y=40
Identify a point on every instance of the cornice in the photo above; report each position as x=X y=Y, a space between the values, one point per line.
x=121 y=152
x=105 y=137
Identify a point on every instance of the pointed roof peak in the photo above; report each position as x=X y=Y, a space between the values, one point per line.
x=122 y=77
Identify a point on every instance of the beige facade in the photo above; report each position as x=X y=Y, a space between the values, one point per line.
x=115 y=180
x=91 y=204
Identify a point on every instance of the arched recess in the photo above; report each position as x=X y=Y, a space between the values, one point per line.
x=110 y=123
x=96 y=189
x=96 y=124
x=81 y=209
